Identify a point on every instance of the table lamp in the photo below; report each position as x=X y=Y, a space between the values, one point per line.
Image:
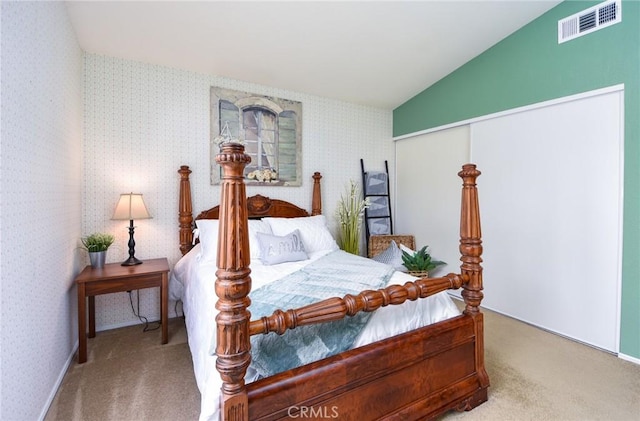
x=131 y=206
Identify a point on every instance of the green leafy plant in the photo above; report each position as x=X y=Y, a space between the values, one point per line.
x=420 y=261
x=98 y=241
x=350 y=212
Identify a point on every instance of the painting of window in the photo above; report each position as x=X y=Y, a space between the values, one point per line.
x=270 y=129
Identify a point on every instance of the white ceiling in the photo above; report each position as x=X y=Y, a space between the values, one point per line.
x=366 y=52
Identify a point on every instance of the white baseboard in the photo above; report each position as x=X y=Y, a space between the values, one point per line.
x=170 y=315
x=123 y=324
x=629 y=358
x=58 y=382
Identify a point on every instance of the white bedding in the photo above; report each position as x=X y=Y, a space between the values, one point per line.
x=192 y=281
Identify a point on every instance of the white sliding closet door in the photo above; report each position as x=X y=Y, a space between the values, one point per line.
x=550 y=198
x=428 y=192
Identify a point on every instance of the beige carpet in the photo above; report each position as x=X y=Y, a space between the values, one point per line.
x=537 y=376
x=534 y=375
x=129 y=375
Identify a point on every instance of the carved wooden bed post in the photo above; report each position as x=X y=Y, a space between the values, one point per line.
x=233 y=285
x=471 y=270
x=185 y=216
x=316 y=200
x=470 y=239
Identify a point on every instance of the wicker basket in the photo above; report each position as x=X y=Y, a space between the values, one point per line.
x=419 y=274
x=379 y=243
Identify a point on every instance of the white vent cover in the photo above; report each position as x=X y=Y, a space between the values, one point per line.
x=589 y=20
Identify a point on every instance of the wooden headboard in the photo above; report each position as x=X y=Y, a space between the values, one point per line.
x=258 y=206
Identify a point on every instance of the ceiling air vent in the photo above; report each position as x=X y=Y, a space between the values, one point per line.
x=589 y=20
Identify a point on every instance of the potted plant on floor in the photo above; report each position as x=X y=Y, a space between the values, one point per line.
x=97 y=244
x=419 y=263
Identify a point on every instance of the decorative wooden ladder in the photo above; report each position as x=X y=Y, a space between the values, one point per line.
x=377 y=217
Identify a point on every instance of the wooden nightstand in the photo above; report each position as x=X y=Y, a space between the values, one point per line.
x=117 y=278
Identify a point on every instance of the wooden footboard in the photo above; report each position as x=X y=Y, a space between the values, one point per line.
x=416 y=375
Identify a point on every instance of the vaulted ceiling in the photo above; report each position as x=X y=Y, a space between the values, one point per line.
x=375 y=53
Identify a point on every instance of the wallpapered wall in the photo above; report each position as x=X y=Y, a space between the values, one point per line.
x=41 y=184
x=143 y=121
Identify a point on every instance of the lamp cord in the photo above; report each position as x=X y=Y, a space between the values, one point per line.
x=142 y=318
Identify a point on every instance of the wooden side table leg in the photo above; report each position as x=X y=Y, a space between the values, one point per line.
x=92 y=316
x=82 y=328
x=164 y=307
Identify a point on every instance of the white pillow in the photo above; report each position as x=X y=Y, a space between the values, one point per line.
x=277 y=249
x=208 y=235
x=313 y=230
x=407 y=249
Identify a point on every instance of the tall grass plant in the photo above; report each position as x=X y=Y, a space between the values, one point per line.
x=350 y=213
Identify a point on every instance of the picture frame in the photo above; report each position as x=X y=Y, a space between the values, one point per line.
x=270 y=128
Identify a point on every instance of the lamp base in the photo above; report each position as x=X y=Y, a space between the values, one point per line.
x=131 y=261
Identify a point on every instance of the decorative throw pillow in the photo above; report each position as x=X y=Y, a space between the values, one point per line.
x=391 y=256
x=279 y=249
x=313 y=229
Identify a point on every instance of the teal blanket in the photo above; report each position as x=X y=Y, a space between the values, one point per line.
x=334 y=275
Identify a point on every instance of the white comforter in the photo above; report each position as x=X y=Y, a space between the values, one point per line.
x=193 y=281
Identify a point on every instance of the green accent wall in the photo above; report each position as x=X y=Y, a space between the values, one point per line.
x=530 y=66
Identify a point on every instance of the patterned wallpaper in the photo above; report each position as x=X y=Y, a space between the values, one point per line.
x=41 y=185
x=143 y=121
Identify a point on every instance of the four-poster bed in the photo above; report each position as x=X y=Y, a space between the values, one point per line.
x=417 y=374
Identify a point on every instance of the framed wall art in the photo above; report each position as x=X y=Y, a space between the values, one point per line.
x=269 y=128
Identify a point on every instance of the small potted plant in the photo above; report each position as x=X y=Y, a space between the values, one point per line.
x=420 y=263
x=97 y=244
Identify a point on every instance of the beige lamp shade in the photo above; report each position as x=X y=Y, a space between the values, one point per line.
x=130 y=207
